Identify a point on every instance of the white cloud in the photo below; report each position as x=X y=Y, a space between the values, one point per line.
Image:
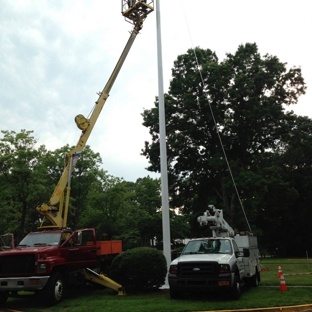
x=56 y=55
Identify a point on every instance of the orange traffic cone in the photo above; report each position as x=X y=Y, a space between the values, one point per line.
x=279 y=272
x=283 y=286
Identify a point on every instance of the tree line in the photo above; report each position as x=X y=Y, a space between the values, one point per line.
x=230 y=142
x=117 y=209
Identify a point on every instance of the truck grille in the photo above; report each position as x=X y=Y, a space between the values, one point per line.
x=198 y=269
x=17 y=264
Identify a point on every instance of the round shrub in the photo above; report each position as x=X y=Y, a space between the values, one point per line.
x=141 y=268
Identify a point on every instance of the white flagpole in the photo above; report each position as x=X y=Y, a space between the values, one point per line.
x=163 y=150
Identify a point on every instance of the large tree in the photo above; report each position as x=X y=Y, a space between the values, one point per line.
x=239 y=102
x=105 y=206
x=22 y=180
x=285 y=203
x=124 y=210
x=87 y=170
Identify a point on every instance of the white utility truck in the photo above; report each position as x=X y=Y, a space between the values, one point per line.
x=221 y=262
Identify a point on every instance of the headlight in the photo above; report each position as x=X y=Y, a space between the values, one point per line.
x=173 y=269
x=224 y=268
x=42 y=267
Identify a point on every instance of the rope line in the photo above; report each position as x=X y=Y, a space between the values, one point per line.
x=213 y=118
x=298 y=274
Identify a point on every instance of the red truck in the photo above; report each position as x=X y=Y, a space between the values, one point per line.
x=49 y=261
x=56 y=257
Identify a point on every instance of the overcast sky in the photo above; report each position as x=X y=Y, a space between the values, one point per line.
x=55 y=55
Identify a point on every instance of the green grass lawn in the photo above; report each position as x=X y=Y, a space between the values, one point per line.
x=268 y=294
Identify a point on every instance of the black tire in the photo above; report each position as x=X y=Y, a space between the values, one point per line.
x=235 y=291
x=3 y=298
x=174 y=294
x=255 y=279
x=55 y=289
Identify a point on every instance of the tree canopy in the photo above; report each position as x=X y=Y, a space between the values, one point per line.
x=231 y=112
x=22 y=181
x=117 y=209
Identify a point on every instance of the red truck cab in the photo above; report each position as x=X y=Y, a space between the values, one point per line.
x=46 y=261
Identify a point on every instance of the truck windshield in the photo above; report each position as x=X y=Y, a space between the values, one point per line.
x=210 y=246
x=40 y=239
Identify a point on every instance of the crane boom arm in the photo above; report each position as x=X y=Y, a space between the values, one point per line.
x=135 y=15
x=86 y=125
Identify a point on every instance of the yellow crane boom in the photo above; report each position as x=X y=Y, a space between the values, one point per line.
x=134 y=12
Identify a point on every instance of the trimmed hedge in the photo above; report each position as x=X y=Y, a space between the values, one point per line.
x=141 y=268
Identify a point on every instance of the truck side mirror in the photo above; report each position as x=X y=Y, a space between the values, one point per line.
x=246 y=252
x=239 y=254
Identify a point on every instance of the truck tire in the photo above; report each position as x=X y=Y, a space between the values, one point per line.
x=3 y=298
x=255 y=279
x=174 y=294
x=55 y=289
x=235 y=291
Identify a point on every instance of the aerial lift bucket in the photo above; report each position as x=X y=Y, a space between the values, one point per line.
x=136 y=11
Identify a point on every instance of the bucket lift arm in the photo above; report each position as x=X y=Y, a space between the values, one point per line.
x=135 y=14
x=214 y=219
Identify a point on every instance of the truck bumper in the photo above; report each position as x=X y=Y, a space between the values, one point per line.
x=23 y=283
x=221 y=282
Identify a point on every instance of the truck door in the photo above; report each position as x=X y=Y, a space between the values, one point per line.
x=239 y=260
x=80 y=249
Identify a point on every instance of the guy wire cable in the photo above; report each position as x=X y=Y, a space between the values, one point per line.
x=213 y=118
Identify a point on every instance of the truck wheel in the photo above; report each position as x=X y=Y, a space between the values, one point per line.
x=3 y=297
x=174 y=294
x=255 y=279
x=55 y=289
x=235 y=291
